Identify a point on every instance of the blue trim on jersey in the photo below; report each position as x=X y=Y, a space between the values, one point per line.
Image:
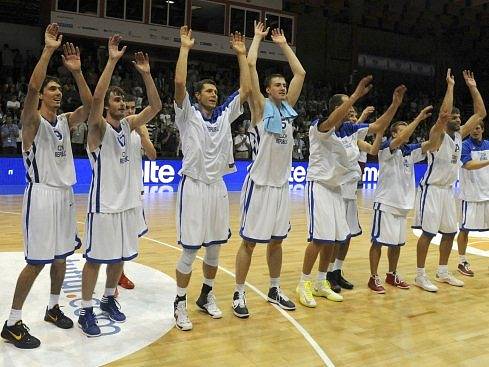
x=64 y=256
x=321 y=241
x=34 y=163
x=78 y=242
x=471 y=145
x=99 y=172
x=90 y=231
x=378 y=243
x=109 y=261
x=27 y=213
x=184 y=177
x=464 y=213
x=424 y=191
x=249 y=191
x=407 y=149
x=207 y=244
x=143 y=232
x=427 y=175
x=38 y=262
x=218 y=110
x=311 y=208
x=255 y=240
x=448 y=233
x=426 y=233
x=348 y=129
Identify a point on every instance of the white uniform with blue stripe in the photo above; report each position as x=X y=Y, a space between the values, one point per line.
x=49 y=220
x=202 y=210
x=435 y=207
x=395 y=193
x=474 y=187
x=137 y=158
x=265 y=212
x=112 y=225
x=333 y=163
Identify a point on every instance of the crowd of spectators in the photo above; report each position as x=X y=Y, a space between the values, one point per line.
x=17 y=66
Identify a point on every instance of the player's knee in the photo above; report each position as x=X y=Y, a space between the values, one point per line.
x=248 y=246
x=275 y=244
x=185 y=262
x=35 y=268
x=211 y=256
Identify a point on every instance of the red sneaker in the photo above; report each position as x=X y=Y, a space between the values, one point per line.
x=464 y=269
x=396 y=281
x=375 y=284
x=124 y=282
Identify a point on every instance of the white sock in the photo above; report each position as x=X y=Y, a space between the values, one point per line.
x=86 y=304
x=330 y=267
x=240 y=288
x=109 y=292
x=274 y=282
x=442 y=269
x=53 y=300
x=421 y=272
x=337 y=264
x=462 y=259
x=181 y=292
x=209 y=282
x=321 y=276
x=15 y=315
x=305 y=277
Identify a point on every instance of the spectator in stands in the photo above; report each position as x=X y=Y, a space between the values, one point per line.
x=7 y=59
x=9 y=132
x=242 y=145
x=13 y=105
x=299 y=145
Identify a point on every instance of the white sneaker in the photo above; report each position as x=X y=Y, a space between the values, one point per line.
x=448 y=278
x=182 y=320
x=304 y=291
x=209 y=305
x=422 y=281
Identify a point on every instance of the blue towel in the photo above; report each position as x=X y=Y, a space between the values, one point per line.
x=272 y=115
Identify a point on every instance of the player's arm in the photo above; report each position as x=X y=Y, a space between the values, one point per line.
x=372 y=149
x=365 y=114
x=30 y=116
x=404 y=136
x=383 y=121
x=447 y=104
x=71 y=61
x=237 y=42
x=141 y=64
x=96 y=122
x=186 y=43
x=335 y=118
x=436 y=133
x=473 y=165
x=479 y=107
x=147 y=145
x=295 y=87
x=256 y=101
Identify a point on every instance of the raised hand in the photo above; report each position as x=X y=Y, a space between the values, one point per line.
x=237 y=42
x=52 y=37
x=114 y=52
x=366 y=113
x=450 y=77
x=469 y=79
x=186 y=39
x=71 y=57
x=363 y=87
x=141 y=63
x=425 y=113
x=260 y=30
x=398 y=95
x=278 y=36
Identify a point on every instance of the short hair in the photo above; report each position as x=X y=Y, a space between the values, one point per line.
x=200 y=84
x=116 y=91
x=395 y=125
x=455 y=111
x=129 y=98
x=49 y=78
x=269 y=78
x=335 y=101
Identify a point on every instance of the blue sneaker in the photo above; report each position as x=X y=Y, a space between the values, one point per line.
x=111 y=307
x=88 y=323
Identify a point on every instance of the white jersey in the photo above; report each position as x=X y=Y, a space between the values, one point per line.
x=474 y=184
x=443 y=164
x=50 y=160
x=333 y=158
x=207 y=144
x=272 y=154
x=137 y=159
x=396 y=185
x=114 y=188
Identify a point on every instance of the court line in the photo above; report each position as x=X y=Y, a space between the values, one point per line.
x=317 y=348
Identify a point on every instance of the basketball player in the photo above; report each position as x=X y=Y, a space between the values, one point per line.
x=202 y=214
x=112 y=225
x=265 y=194
x=394 y=195
x=435 y=209
x=142 y=146
x=49 y=226
x=474 y=192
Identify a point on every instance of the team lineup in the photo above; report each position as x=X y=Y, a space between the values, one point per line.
x=118 y=139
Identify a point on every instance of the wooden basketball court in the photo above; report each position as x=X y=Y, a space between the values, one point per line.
x=400 y=328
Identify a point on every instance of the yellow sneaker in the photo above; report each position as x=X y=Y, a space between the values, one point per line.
x=322 y=288
x=304 y=291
